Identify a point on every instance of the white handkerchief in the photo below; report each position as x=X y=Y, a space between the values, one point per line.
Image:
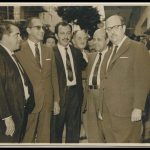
x=48 y=59
x=123 y=57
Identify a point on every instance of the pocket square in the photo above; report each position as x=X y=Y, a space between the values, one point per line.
x=48 y=59
x=123 y=57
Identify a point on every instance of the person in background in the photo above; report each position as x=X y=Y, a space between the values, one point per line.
x=50 y=41
x=79 y=41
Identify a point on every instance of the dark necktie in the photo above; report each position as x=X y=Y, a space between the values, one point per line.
x=21 y=69
x=114 y=53
x=94 y=79
x=37 y=55
x=69 y=68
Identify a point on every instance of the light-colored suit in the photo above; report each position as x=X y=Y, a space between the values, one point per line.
x=46 y=91
x=93 y=98
x=124 y=86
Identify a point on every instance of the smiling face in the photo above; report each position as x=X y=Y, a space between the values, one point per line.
x=80 y=39
x=100 y=40
x=115 y=29
x=64 y=35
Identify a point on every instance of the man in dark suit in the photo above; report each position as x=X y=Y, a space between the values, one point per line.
x=39 y=63
x=124 y=85
x=15 y=87
x=79 y=40
x=70 y=63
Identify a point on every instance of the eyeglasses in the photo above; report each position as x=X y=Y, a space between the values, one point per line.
x=38 y=27
x=114 y=28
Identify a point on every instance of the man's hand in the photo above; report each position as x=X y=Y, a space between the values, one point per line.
x=56 y=108
x=10 y=126
x=136 y=115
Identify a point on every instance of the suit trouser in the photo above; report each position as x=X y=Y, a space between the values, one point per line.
x=38 y=127
x=70 y=115
x=112 y=129
x=119 y=129
x=95 y=134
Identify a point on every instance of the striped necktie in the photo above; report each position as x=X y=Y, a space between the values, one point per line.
x=69 y=68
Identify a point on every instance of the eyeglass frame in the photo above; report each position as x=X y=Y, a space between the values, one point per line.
x=113 y=27
x=38 y=27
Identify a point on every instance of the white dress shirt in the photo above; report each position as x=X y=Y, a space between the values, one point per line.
x=94 y=65
x=26 y=92
x=63 y=55
x=116 y=50
x=32 y=46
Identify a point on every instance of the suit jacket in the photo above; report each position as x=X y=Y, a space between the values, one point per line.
x=44 y=81
x=91 y=59
x=79 y=65
x=125 y=85
x=12 y=96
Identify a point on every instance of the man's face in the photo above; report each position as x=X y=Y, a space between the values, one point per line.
x=64 y=35
x=80 y=40
x=36 y=31
x=13 y=39
x=99 y=40
x=115 y=29
x=50 y=42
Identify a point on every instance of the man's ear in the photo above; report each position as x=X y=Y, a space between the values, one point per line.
x=107 y=41
x=56 y=36
x=124 y=28
x=73 y=41
x=28 y=30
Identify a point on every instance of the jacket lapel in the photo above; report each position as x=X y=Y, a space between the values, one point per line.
x=43 y=55
x=29 y=55
x=90 y=64
x=74 y=58
x=123 y=48
x=59 y=59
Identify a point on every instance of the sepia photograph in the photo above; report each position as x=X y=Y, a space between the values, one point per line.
x=74 y=74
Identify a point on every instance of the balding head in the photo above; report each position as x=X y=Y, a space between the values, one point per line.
x=115 y=28
x=101 y=32
x=100 y=39
x=115 y=20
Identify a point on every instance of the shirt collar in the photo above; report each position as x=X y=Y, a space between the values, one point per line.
x=104 y=51
x=62 y=47
x=8 y=50
x=121 y=42
x=32 y=43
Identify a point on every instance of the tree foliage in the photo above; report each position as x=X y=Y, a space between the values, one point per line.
x=87 y=17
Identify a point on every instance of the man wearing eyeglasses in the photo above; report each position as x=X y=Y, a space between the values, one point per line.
x=39 y=63
x=124 y=86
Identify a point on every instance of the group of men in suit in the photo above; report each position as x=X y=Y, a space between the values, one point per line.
x=41 y=88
